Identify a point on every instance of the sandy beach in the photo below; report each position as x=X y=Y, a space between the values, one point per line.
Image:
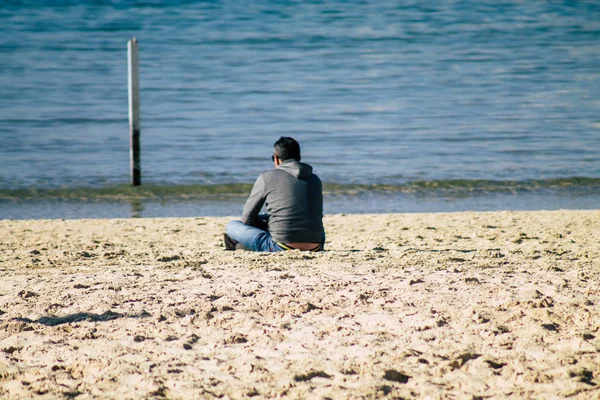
x=454 y=306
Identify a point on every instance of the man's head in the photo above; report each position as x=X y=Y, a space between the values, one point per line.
x=286 y=148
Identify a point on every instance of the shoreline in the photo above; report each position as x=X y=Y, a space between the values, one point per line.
x=490 y=304
x=375 y=202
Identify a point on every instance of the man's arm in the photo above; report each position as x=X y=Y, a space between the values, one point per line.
x=254 y=204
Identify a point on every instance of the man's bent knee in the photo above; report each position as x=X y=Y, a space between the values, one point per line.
x=230 y=229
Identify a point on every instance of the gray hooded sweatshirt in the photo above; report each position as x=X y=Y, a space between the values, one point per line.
x=293 y=197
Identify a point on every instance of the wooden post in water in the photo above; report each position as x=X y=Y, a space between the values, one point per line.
x=134 y=112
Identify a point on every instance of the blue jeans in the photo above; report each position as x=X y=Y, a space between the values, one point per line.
x=253 y=238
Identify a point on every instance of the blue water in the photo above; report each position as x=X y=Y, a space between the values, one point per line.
x=380 y=92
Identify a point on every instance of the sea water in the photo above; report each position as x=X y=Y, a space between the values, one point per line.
x=400 y=106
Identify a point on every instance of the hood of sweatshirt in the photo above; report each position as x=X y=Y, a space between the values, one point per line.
x=296 y=169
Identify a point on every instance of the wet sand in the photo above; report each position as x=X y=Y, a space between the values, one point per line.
x=459 y=305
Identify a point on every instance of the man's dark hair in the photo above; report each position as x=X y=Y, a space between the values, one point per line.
x=287 y=148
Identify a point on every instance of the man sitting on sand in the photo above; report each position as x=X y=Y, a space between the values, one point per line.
x=293 y=197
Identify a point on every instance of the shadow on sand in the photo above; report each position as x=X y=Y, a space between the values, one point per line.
x=78 y=317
